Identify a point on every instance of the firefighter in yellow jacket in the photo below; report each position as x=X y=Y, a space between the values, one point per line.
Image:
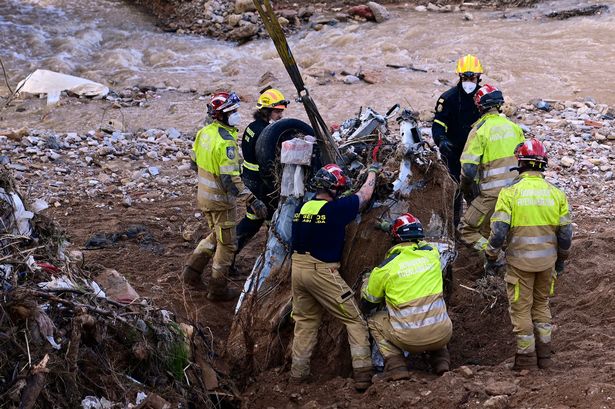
x=216 y=156
x=532 y=216
x=487 y=165
x=410 y=282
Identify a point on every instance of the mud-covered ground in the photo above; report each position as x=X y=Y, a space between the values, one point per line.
x=583 y=311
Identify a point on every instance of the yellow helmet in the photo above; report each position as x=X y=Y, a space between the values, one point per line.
x=272 y=98
x=469 y=64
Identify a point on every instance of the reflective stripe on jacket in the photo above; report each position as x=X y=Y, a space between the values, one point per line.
x=534 y=209
x=491 y=145
x=410 y=281
x=215 y=153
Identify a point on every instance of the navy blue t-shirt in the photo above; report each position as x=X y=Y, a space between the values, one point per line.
x=319 y=227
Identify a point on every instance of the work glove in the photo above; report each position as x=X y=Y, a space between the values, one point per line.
x=383 y=225
x=559 y=267
x=494 y=263
x=446 y=147
x=469 y=190
x=260 y=209
x=375 y=167
x=491 y=266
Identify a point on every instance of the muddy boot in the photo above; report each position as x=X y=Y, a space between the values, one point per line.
x=362 y=378
x=543 y=353
x=440 y=361
x=219 y=291
x=193 y=269
x=525 y=361
x=395 y=368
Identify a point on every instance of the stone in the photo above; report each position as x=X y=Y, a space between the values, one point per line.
x=420 y=9
x=380 y=12
x=501 y=388
x=567 y=161
x=465 y=371
x=173 y=133
x=497 y=402
x=241 y=6
x=233 y=19
x=351 y=79
x=283 y=21
x=468 y=16
x=244 y=32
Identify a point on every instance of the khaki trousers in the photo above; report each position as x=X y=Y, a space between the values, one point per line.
x=392 y=342
x=316 y=287
x=475 y=225
x=528 y=297
x=221 y=243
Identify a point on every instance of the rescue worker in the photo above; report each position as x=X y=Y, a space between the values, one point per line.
x=455 y=115
x=532 y=216
x=269 y=108
x=487 y=165
x=409 y=281
x=216 y=156
x=318 y=235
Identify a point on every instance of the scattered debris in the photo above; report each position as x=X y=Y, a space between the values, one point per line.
x=63 y=335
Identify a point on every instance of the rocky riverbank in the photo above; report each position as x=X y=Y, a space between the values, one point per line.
x=238 y=20
x=153 y=164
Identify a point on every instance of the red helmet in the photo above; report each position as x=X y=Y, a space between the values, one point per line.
x=487 y=97
x=532 y=152
x=330 y=177
x=407 y=227
x=222 y=102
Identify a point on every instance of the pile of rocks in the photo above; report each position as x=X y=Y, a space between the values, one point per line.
x=148 y=165
x=239 y=21
x=580 y=137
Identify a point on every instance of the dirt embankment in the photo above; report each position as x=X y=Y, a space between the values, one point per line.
x=237 y=20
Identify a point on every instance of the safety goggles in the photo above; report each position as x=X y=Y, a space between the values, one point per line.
x=469 y=75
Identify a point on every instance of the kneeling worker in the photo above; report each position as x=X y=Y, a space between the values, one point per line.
x=410 y=282
x=319 y=229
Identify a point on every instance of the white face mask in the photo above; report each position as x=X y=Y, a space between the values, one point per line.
x=468 y=86
x=234 y=119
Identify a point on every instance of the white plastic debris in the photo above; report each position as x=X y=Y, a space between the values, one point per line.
x=38 y=206
x=53 y=342
x=92 y=402
x=53 y=83
x=166 y=316
x=98 y=291
x=140 y=397
x=58 y=283
x=21 y=216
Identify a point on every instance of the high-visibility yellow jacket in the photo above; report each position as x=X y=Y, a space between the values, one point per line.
x=410 y=281
x=536 y=212
x=216 y=154
x=491 y=146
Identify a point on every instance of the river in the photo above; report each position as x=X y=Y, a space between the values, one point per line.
x=115 y=43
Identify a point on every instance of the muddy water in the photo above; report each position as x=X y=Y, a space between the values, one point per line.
x=114 y=43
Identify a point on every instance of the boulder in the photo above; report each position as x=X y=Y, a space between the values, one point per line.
x=241 y=6
x=244 y=32
x=379 y=11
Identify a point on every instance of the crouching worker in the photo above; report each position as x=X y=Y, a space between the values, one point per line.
x=409 y=280
x=318 y=240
